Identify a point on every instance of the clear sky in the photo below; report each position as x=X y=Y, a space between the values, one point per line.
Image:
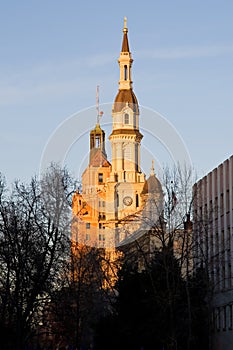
x=54 y=53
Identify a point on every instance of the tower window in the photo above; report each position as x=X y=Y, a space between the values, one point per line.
x=125 y=72
x=100 y=177
x=137 y=200
x=97 y=141
x=88 y=225
x=126 y=118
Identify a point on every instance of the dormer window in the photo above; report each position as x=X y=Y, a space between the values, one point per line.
x=126 y=118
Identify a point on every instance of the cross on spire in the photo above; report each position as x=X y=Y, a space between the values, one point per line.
x=125 y=30
x=152 y=169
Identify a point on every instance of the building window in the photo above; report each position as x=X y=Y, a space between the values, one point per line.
x=125 y=72
x=224 y=325
x=222 y=204
x=137 y=200
x=126 y=118
x=102 y=216
x=101 y=237
x=88 y=225
x=230 y=317
x=97 y=141
x=101 y=204
x=218 y=319
x=227 y=201
x=100 y=177
x=101 y=226
x=87 y=237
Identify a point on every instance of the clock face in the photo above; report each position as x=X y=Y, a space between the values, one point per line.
x=127 y=200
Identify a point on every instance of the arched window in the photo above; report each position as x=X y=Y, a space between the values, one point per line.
x=126 y=118
x=125 y=72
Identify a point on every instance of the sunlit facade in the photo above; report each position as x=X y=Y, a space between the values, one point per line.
x=111 y=205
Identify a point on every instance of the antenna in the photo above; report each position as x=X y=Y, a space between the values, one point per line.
x=97 y=104
x=99 y=113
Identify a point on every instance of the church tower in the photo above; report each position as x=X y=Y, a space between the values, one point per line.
x=112 y=204
x=126 y=178
x=125 y=137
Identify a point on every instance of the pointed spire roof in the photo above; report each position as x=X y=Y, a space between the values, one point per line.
x=125 y=96
x=125 y=43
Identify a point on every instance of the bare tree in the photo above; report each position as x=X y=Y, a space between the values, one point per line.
x=170 y=236
x=34 y=245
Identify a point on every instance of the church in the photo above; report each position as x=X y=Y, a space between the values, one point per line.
x=117 y=204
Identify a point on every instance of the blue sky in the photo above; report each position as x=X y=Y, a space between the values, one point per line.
x=54 y=53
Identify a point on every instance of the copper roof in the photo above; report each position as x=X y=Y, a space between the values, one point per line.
x=152 y=185
x=98 y=159
x=123 y=97
x=125 y=43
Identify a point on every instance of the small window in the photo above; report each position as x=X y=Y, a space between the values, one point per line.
x=87 y=237
x=230 y=317
x=100 y=177
x=101 y=237
x=88 y=225
x=126 y=118
x=101 y=204
x=137 y=200
x=224 y=326
x=97 y=141
x=218 y=319
x=125 y=72
x=101 y=226
x=102 y=216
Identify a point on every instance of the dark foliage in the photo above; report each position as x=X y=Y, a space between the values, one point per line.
x=151 y=311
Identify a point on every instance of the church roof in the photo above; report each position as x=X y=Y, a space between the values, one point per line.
x=125 y=43
x=99 y=159
x=97 y=129
x=152 y=185
x=125 y=96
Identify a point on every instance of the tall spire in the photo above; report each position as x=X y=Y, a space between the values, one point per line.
x=125 y=61
x=125 y=137
x=125 y=96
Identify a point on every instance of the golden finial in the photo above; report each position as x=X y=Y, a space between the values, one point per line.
x=125 y=30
